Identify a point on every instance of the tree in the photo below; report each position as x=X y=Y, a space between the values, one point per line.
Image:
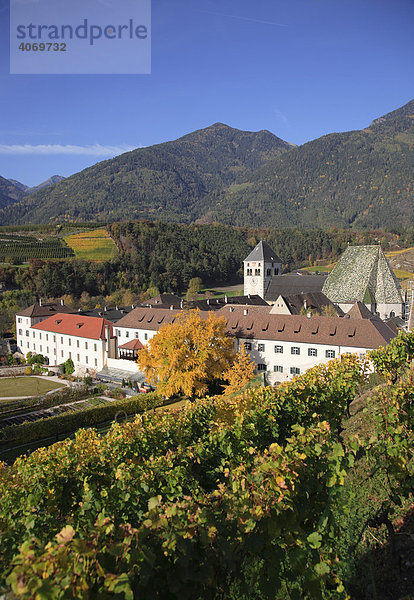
x=194 y=287
x=188 y=355
x=240 y=373
x=69 y=367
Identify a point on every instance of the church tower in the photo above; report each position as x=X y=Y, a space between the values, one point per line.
x=259 y=268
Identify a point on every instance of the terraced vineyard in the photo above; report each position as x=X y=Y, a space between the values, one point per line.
x=92 y=245
x=21 y=248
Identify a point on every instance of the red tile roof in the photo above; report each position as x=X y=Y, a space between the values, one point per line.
x=84 y=327
x=132 y=345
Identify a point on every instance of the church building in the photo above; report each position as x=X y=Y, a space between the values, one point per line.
x=259 y=267
x=363 y=274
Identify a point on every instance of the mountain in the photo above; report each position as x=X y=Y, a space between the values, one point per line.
x=164 y=181
x=10 y=192
x=51 y=181
x=355 y=179
x=19 y=185
x=360 y=179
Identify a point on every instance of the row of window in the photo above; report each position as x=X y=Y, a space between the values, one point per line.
x=294 y=350
x=62 y=353
x=118 y=334
x=95 y=347
x=278 y=369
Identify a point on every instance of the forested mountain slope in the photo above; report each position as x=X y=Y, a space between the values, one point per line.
x=9 y=193
x=359 y=179
x=163 y=181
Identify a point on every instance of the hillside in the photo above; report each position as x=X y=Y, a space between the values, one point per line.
x=9 y=192
x=221 y=174
x=163 y=181
x=354 y=179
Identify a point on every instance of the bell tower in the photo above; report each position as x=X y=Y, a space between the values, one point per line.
x=259 y=268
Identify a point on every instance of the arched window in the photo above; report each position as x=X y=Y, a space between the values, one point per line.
x=392 y=314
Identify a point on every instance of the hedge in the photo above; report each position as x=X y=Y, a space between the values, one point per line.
x=68 y=422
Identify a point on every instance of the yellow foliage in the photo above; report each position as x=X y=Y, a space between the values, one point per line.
x=185 y=356
x=240 y=373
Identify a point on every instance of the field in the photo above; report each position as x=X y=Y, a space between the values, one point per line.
x=26 y=386
x=15 y=248
x=92 y=245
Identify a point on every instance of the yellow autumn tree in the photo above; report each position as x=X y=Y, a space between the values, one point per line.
x=240 y=373
x=188 y=355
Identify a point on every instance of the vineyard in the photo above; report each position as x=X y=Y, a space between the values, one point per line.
x=94 y=245
x=270 y=494
x=20 y=248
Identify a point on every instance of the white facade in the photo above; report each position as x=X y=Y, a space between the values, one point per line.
x=281 y=360
x=383 y=311
x=88 y=355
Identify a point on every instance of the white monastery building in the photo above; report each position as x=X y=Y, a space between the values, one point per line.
x=282 y=341
x=88 y=341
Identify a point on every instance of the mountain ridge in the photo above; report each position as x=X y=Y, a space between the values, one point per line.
x=236 y=177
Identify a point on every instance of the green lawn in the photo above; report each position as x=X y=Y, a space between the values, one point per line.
x=26 y=386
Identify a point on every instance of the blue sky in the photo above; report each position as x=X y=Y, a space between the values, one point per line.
x=299 y=68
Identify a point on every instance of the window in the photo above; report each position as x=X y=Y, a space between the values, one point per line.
x=77 y=343
x=279 y=349
x=96 y=362
x=70 y=342
x=276 y=271
x=34 y=346
x=19 y=320
x=127 y=334
x=294 y=371
x=249 y=272
x=40 y=349
x=20 y=331
x=146 y=336
x=261 y=367
x=28 y=345
x=261 y=347
x=86 y=345
x=136 y=335
x=27 y=333
x=257 y=271
x=247 y=346
x=78 y=357
x=70 y=354
x=61 y=352
x=61 y=340
x=117 y=332
x=94 y=347
x=47 y=350
x=47 y=337
x=40 y=336
x=295 y=350
x=269 y=272
x=330 y=353
x=54 y=338
x=86 y=359
x=34 y=334
x=278 y=369
x=312 y=352
x=392 y=314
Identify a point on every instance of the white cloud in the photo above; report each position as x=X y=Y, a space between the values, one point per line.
x=280 y=115
x=252 y=20
x=93 y=150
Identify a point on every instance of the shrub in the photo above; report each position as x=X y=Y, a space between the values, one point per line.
x=72 y=421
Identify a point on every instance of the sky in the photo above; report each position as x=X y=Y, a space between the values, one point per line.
x=298 y=68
